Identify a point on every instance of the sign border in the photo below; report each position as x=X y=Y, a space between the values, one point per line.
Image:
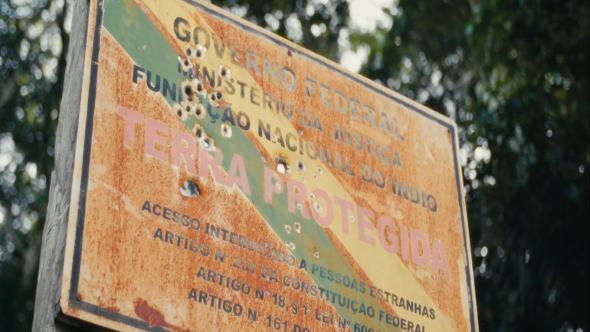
x=75 y=302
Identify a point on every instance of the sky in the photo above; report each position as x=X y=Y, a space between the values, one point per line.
x=366 y=15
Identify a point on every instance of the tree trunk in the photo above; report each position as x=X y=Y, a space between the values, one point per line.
x=54 y=232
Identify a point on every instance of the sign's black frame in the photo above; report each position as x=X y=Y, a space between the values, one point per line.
x=80 y=304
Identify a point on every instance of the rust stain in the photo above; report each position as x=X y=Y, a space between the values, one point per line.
x=112 y=309
x=152 y=315
x=362 y=192
x=125 y=185
x=221 y=207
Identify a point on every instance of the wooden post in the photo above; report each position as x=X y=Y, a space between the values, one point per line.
x=51 y=259
x=54 y=233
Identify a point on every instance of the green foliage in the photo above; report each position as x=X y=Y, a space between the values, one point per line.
x=313 y=24
x=31 y=76
x=514 y=75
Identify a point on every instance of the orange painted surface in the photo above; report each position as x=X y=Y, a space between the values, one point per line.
x=123 y=272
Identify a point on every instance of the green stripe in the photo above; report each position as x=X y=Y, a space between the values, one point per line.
x=145 y=44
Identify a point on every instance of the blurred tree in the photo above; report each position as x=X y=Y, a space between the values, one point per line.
x=514 y=75
x=314 y=24
x=32 y=37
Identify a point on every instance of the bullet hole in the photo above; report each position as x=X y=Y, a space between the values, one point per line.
x=300 y=166
x=219 y=95
x=282 y=165
x=177 y=109
x=200 y=111
x=288 y=229
x=299 y=206
x=311 y=196
x=352 y=218
x=297 y=227
x=224 y=73
x=190 y=189
x=281 y=168
x=291 y=246
x=318 y=174
x=316 y=254
x=185 y=64
x=213 y=99
x=187 y=89
x=188 y=52
x=200 y=51
x=289 y=53
x=226 y=130
x=198 y=132
x=207 y=143
x=316 y=206
x=198 y=86
x=189 y=108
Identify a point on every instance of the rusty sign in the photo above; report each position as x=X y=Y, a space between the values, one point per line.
x=227 y=179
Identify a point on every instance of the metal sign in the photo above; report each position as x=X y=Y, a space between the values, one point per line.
x=227 y=179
